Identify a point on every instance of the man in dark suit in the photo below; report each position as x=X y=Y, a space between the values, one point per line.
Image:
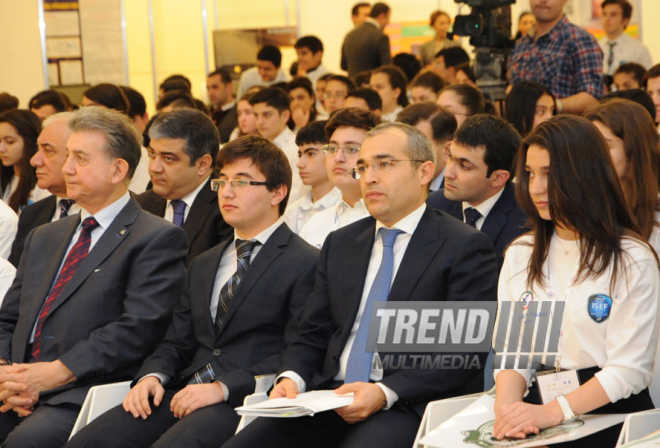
x=223 y=349
x=428 y=255
x=220 y=89
x=478 y=188
x=91 y=299
x=367 y=47
x=48 y=161
x=182 y=150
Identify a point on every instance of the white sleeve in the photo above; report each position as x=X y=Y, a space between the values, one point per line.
x=632 y=332
x=295 y=377
x=8 y=229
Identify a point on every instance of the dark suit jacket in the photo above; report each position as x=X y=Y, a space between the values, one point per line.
x=32 y=216
x=261 y=320
x=365 y=48
x=204 y=225
x=505 y=222
x=445 y=261
x=226 y=121
x=113 y=311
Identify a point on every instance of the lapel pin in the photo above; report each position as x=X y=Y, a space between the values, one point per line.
x=96 y=270
x=122 y=232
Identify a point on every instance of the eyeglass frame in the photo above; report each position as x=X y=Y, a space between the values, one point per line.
x=336 y=96
x=215 y=183
x=356 y=175
x=326 y=149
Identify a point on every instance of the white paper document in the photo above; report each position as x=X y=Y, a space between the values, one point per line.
x=473 y=427
x=650 y=441
x=308 y=403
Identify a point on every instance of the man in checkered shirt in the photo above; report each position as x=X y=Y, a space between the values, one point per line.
x=561 y=56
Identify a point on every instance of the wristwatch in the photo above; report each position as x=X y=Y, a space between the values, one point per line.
x=565 y=406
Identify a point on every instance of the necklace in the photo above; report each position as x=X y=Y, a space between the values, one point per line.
x=566 y=252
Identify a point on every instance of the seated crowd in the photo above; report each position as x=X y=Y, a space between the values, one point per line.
x=194 y=250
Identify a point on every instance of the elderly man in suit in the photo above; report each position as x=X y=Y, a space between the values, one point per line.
x=367 y=47
x=478 y=188
x=182 y=150
x=48 y=161
x=94 y=292
x=236 y=318
x=404 y=251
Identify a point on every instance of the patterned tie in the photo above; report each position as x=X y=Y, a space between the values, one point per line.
x=610 y=57
x=65 y=205
x=244 y=250
x=179 y=208
x=73 y=259
x=472 y=215
x=358 y=367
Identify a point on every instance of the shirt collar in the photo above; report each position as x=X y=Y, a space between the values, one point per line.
x=190 y=197
x=563 y=22
x=105 y=216
x=373 y=22
x=226 y=107
x=326 y=201
x=486 y=206
x=282 y=139
x=435 y=183
x=264 y=235
x=621 y=39
x=343 y=205
x=407 y=224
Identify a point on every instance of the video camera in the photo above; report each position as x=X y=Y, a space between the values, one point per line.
x=490 y=33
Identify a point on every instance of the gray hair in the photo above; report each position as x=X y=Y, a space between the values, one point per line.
x=192 y=126
x=122 y=140
x=419 y=147
x=60 y=116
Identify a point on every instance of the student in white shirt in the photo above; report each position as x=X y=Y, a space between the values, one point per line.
x=272 y=113
x=633 y=142
x=247 y=123
x=585 y=251
x=311 y=164
x=19 y=130
x=618 y=47
x=267 y=72
x=390 y=83
x=347 y=129
x=310 y=55
x=303 y=103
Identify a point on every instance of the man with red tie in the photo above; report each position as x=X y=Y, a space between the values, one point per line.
x=94 y=291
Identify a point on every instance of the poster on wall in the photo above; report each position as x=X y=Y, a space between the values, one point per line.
x=63 y=45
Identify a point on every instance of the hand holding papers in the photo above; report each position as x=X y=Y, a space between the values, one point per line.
x=308 y=403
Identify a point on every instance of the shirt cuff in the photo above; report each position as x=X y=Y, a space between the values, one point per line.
x=295 y=377
x=164 y=379
x=224 y=389
x=390 y=396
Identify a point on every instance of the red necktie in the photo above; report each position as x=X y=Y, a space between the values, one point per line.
x=73 y=259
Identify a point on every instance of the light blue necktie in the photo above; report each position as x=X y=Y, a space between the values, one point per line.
x=179 y=208
x=358 y=367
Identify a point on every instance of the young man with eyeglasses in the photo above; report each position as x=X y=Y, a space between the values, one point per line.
x=345 y=131
x=311 y=165
x=337 y=89
x=243 y=303
x=403 y=251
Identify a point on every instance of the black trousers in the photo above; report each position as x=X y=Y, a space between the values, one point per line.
x=606 y=438
x=207 y=427
x=394 y=428
x=47 y=427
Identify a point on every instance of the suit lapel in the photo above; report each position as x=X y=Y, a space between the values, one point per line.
x=356 y=267
x=494 y=222
x=423 y=246
x=111 y=238
x=262 y=261
x=456 y=210
x=199 y=210
x=207 y=289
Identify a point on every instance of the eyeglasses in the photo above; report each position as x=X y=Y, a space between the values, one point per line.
x=338 y=95
x=219 y=184
x=383 y=165
x=332 y=149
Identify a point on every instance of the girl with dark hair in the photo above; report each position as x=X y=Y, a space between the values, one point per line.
x=19 y=130
x=462 y=100
x=247 y=123
x=585 y=256
x=106 y=95
x=529 y=104
x=526 y=21
x=390 y=82
x=634 y=147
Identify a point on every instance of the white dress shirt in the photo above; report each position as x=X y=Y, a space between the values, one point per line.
x=391 y=117
x=286 y=141
x=408 y=226
x=141 y=176
x=300 y=212
x=8 y=229
x=322 y=223
x=437 y=182
x=626 y=49
x=189 y=199
x=484 y=208
x=251 y=77
x=7 y=274
x=227 y=268
x=104 y=217
x=75 y=208
x=624 y=344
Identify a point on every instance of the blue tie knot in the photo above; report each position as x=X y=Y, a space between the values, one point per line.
x=89 y=224
x=389 y=236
